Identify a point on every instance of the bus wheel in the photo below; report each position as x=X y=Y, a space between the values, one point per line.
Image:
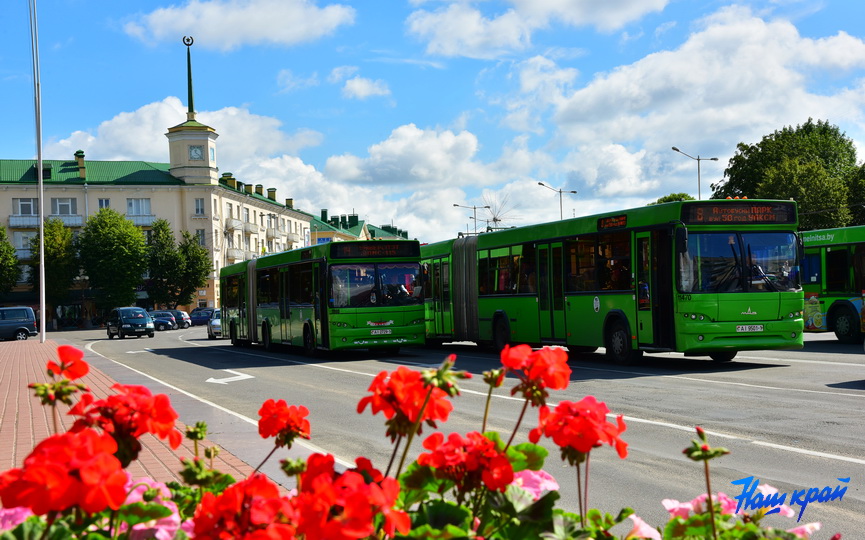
x=619 y=345
x=265 y=338
x=308 y=342
x=501 y=333
x=233 y=334
x=847 y=327
x=725 y=356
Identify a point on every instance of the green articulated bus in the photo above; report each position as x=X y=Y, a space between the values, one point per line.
x=339 y=295
x=833 y=277
x=705 y=278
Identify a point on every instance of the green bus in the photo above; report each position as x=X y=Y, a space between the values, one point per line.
x=833 y=277
x=333 y=296
x=683 y=276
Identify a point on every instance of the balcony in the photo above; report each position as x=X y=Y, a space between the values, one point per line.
x=141 y=221
x=69 y=220
x=199 y=216
x=272 y=233
x=23 y=254
x=234 y=254
x=250 y=228
x=232 y=224
x=294 y=238
x=24 y=221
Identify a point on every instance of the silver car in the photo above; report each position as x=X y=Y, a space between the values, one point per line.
x=214 y=325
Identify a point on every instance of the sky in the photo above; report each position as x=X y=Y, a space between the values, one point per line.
x=399 y=110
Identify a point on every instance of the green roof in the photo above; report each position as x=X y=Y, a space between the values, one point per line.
x=23 y=171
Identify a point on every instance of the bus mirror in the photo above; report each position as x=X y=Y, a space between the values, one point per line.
x=682 y=240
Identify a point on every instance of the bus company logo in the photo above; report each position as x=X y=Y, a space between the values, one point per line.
x=749 y=312
x=379 y=323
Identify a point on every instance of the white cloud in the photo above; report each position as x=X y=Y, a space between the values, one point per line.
x=608 y=15
x=341 y=73
x=287 y=81
x=362 y=88
x=228 y=24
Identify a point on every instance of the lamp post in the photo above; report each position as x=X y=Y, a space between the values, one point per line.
x=475 y=210
x=698 y=159
x=559 y=191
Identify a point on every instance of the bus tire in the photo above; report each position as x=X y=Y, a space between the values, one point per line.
x=309 y=342
x=725 y=356
x=501 y=333
x=265 y=338
x=847 y=326
x=233 y=335
x=619 y=348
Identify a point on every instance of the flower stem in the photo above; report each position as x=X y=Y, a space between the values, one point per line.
x=580 y=496
x=517 y=427
x=487 y=409
x=393 y=454
x=586 y=483
x=264 y=461
x=709 y=500
x=54 y=415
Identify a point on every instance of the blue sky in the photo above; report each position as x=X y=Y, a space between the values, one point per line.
x=397 y=110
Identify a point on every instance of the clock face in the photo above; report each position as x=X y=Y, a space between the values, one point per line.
x=196 y=152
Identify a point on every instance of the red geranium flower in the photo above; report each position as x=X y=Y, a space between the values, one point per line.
x=72 y=366
x=580 y=426
x=283 y=422
x=469 y=462
x=249 y=509
x=537 y=371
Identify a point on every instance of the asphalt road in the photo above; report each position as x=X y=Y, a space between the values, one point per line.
x=792 y=419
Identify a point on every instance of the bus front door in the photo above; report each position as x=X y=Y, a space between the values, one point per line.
x=645 y=288
x=551 y=297
x=439 y=314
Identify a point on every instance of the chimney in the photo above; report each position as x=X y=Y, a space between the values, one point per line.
x=352 y=220
x=271 y=193
x=247 y=188
x=259 y=190
x=229 y=180
x=79 y=159
x=289 y=203
x=343 y=221
x=324 y=214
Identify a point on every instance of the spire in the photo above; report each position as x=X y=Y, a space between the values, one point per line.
x=188 y=41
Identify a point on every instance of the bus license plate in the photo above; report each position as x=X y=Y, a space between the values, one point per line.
x=380 y=331
x=749 y=328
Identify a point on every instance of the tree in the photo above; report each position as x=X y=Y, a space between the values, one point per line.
x=822 y=198
x=61 y=263
x=856 y=197
x=9 y=269
x=113 y=255
x=163 y=263
x=672 y=197
x=819 y=143
x=195 y=270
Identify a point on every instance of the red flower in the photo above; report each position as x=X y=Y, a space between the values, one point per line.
x=249 y=509
x=537 y=371
x=401 y=396
x=72 y=469
x=469 y=462
x=71 y=364
x=580 y=426
x=283 y=422
x=128 y=415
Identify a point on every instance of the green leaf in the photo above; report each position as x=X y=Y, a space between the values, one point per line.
x=140 y=512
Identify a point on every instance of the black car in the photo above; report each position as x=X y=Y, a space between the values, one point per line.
x=200 y=316
x=163 y=320
x=17 y=323
x=129 y=321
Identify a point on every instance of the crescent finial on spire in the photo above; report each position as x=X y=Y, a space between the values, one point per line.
x=188 y=41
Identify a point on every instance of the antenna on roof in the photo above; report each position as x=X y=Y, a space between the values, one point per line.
x=188 y=41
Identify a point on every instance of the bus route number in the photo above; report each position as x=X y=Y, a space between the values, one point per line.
x=684 y=297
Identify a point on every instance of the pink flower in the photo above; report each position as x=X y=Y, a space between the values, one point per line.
x=677 y=509
x=642 y=530
x=535 y=482
x=12 y=517
x=804 y=531
x=162 y=529
x=766 y=490
x=728 y=505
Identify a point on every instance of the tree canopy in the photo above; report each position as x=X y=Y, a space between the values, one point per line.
x=672 y=197
x=197 y=266
x=113 y=255
x=9 y=269
x=61 y=263
x=176 y=271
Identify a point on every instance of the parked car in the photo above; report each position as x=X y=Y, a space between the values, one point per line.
x=182 y=318
x=214 y=325
x=17 y=323
x=200 y=316
x=129 y=321
x=163 y=320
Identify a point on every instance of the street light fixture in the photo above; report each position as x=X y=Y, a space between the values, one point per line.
x=475 y=210
x=559 y=191
x=698 y=159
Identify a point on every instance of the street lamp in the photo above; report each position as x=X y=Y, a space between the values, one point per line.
x=698 y=159
x=475 y=210
x=559 y=191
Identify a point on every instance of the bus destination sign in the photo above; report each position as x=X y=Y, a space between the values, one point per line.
x=613 y=222
x=374 y=248
x=740 y=211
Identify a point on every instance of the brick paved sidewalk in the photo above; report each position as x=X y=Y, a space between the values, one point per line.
x=24 y=421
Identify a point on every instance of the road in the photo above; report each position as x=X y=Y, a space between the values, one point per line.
x=792 y=419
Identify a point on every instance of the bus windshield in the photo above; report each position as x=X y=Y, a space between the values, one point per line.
x=739 y=262
x=375 y=285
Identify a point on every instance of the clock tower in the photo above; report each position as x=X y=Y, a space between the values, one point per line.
x=192 y=145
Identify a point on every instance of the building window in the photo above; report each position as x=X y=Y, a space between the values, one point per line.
x=64 y=206
x=246 y=215
x=199 y=233
x=229 y=211
x=199 y=207
x=24 y=277
x=231 y=240
x=26 y=207
x=138 y=207
x=104 y=203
